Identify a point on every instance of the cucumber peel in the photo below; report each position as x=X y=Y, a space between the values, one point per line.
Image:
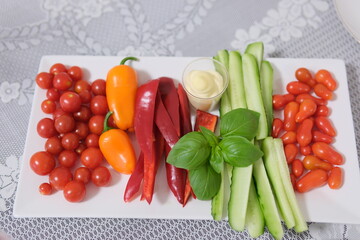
x=254 y=216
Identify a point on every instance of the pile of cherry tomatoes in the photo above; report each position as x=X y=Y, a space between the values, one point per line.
x=77 y=110
x=307 y=131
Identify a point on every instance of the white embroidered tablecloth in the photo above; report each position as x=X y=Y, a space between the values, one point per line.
x=30 y=29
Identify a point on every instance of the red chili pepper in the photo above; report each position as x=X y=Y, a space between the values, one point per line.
x=135 y=179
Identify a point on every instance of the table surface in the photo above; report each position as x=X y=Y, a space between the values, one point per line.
x=30 y=29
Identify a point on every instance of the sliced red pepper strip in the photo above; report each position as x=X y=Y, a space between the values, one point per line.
x=205 y=119
x=135 y=179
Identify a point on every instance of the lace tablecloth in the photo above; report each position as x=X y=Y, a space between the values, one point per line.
x=30 y=29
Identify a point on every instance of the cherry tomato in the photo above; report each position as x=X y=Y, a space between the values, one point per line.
x=325 y=126
x=306 y=150
x=82 y=174
x=81 y=86
x=64 y=123
x=290 y=111
x=101 y=176
x=289 y=137
x=297 y=88
x=62 y=81
x=92 y=140
x=80 y=148
x=74 y=191
x=96 y=124
x=45 y=128
x=306 y=109
x=42 y=163
x=301 y=97
x=276 y=127
x=85 y=96
x=304 y=76
x=324 y=77
x=303 y=133
x=311 y=162
x=70 y=102
x=293 y=180
x=321 y=137
x=82 y=130
x=313 y=179
x=279 y=101
x=59 y=112
x=83 y=115
x=45 y=189
x=57 y=68
x=44 y=80
x=59 y=177
x=98 y=105
x=53 y=94
x=67 y=158
x=335 y=179
x=48 y=106
x=70 y=141
x=297 y=168
x=291 y=151
x=326 y=152
x=91 y=157
x=98 y=87
x=322 y=111
x=322 y=92
x=53 y=145
x=75 y=73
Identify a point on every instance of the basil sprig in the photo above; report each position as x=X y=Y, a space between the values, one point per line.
x=203 y=153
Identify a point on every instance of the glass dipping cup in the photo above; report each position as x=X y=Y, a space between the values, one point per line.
x=204 y=64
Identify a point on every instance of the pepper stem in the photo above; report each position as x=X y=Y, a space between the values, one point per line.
x=106 y=126
x=128 y=58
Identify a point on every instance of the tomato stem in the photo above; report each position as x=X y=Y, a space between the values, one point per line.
x=106 y=126
x=128 y=58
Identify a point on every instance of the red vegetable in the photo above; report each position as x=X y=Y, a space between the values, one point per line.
x=205 y=119
x=135 y=179
x=313 y=179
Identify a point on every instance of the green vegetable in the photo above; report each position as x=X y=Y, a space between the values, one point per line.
x=216 y=160
x=236 y=83
x=257 y=50
x=212 y=139
x=204 y=181
x=266 y=83
x=254 y=217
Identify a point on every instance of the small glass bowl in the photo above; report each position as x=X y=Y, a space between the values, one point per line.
x=205 y=64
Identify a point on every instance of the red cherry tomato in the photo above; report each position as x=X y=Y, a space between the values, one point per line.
x=82 y=85
x=98 y=87
x=75 y=73
x=53 y=94
x=82 y=174
x=322 y=111
x=62 y=81
x=322 y=92
x=279 y=101
x=289 y=137
x=306 y=109
x=335 y=179
x=326 y=152
x=311 y=162
x=313 y=179
x=64 y=124
x=92 y=140
x=83 y=115
x=98 y=105
x=53 y=145
x=57 y=68
x=48 y=106
x=301 y=97
x=45 y=189
x=59 y=112
x=324 y=77
x=80 y=148
x=297 y=88
x=67 y=158
x=101 y=176
x=297 y=168
x=321 y=137
x=291 y=151
x=293 y=180
x=45 y=128
x=70 y=102
x=306 y=150
x=42 y=163
x=70 y=141
x=81 y=130
x=303 y=133
x=304 y=76
x=59 y=177
x=85 y=96
x=290 y=111
x=74 y=191
x=96 y=124
x=276 y=127
x=91 y=157
x=44 y=80
x=325 y=126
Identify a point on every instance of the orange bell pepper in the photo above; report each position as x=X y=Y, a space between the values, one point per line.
x=121 y=86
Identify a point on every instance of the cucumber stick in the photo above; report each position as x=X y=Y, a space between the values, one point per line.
x=253 y=92
x=267 y=200
x=236 y=84
x=217 y=203
x=300 y=223
x=266 y=84
x=257 y=50
x=254 y=217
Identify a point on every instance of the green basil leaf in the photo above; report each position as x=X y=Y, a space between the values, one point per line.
x=238 y=151
x=216 y=159
x=212 y=139
x=190 y=152
x=240 y=121
x=205 y=182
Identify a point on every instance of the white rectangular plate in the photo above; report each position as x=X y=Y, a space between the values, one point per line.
x=320 y=205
